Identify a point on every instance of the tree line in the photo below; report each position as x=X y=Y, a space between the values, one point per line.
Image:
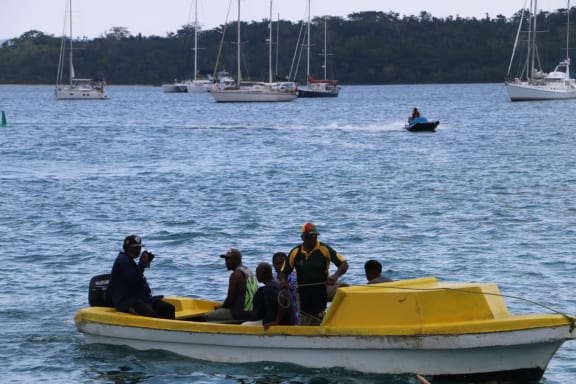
x=363 y=48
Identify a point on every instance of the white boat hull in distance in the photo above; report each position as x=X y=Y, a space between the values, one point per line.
x=71 y=92
x=523 y=91
x=199 y=86
x=246 y=96
x=252 y=94
x=175 y=88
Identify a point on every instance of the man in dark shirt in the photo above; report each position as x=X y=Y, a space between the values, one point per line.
x=312 y=259
x=266 y=308
x=128 y=287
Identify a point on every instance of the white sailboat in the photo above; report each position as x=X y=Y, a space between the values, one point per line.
x=194 y=85
x=318 y=88
x=255 y=92
x=77 y=88
x=533 y=83
x=197 y=85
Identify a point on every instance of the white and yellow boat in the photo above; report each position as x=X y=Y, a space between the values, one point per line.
x=436 y=329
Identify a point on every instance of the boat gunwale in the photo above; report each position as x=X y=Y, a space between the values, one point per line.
x=109 y=316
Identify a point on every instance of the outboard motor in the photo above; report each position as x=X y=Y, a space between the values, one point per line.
x=98 y=291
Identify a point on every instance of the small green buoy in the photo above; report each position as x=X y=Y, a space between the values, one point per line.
x=4 y=123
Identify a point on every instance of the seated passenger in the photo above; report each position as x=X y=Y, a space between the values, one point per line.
x=266 y=310
x=373 y=270
x=242 y=286
x=128 y=287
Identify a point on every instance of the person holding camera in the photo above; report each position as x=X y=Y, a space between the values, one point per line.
x=129 y=289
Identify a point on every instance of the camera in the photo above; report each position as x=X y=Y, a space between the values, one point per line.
x=150 y=257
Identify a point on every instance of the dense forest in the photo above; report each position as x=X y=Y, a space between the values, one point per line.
x=363 y=48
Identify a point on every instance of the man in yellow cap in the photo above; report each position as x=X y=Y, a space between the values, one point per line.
x=312 y=259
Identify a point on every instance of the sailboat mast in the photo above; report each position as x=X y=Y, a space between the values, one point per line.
x=239 y=80
x=568 y=33
x=533 y=46
x=325 y=46
x=71 y=65
x=270 y=46
x=195 y=38
x=308 y=45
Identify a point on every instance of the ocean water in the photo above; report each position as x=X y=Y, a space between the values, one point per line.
x=489 y=197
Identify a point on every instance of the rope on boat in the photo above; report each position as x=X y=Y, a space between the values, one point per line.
x=284 y=298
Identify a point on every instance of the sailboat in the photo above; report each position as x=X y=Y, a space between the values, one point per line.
x=533 y=83
x=318 y=88
x=258 y=91
x=77 y=88
x=197 y=85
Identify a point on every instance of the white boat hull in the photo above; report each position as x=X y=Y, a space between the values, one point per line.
x=527 y=351
x=175 y=88
x=242 y=96
x=522 y=91
x=73 y=93
x=199 y=86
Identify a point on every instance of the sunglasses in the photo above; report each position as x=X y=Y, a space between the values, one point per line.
x=307 y=236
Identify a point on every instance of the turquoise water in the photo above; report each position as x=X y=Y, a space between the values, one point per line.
x=489 y=197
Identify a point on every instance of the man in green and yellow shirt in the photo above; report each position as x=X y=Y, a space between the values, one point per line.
x=312 y=259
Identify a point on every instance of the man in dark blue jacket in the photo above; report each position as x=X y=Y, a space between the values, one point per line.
x=128 y=287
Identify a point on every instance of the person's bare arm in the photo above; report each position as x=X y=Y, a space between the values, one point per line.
x=234 y=286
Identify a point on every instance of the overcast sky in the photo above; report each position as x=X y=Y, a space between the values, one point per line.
x=91 y=18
